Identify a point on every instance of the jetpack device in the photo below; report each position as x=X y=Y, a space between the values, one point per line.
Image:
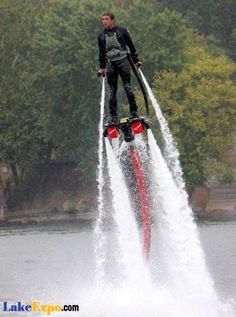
x=139 y=79
x=135 y=165
x=129 y=127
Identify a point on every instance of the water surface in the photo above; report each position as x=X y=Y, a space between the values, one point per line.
x=57 y=263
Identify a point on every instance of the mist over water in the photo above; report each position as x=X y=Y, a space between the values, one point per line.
x=180 y=260
x=175 y=281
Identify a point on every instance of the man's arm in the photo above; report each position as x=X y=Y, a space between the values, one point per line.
x=131 y=46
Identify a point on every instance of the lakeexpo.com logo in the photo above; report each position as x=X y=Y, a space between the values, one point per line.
x=37 y=307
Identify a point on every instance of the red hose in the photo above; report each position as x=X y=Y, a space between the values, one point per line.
x=143 y=194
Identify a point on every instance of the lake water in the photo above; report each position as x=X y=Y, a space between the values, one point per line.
x=56 y=264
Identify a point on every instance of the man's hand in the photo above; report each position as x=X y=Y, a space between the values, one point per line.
x=101 y=72
x=139 y=64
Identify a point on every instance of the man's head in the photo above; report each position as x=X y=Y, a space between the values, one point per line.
x=108 y=20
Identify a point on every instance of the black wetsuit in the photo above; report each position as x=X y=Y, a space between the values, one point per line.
x=113 y=45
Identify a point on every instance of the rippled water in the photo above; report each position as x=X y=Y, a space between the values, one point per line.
x=218 y=240
x=56 y=263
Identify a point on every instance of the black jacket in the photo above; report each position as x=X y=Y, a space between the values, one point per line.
x=124 y=39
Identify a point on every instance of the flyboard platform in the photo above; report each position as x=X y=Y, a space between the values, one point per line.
x=128 y=127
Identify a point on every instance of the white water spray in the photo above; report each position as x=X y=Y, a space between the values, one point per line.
x=131 y=256
x=171 y=152
x=99 y=236
x=177 y=231
x=176 y=225
x=180 y=260
x=182 y=286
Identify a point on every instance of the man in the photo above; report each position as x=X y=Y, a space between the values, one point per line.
x=114 y=44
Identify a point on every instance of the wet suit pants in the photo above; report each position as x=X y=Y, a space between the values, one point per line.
x=122 y=68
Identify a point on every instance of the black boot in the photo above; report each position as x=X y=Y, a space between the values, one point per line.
x=134 y=114
x=114 y=119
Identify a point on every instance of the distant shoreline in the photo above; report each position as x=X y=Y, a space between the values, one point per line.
x=48 y=218
x=90 y=218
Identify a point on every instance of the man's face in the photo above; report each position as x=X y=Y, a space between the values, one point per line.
x=107 y=22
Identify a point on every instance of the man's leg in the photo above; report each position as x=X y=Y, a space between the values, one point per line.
x=124 y=71
x=112 y=80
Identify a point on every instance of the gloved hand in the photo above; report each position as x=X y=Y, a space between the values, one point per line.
x=139 y=64
x=101 y=72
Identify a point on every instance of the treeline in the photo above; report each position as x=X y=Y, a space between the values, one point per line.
x=212 y=18
x=50 y=92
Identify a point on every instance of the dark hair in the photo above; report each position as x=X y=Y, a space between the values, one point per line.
x=110 y=15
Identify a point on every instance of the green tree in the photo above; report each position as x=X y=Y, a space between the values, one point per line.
x=64 y=79
x=158 y=36
x=50 y=92
x=18 y=129
x=199 y=103
x=210 y=17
